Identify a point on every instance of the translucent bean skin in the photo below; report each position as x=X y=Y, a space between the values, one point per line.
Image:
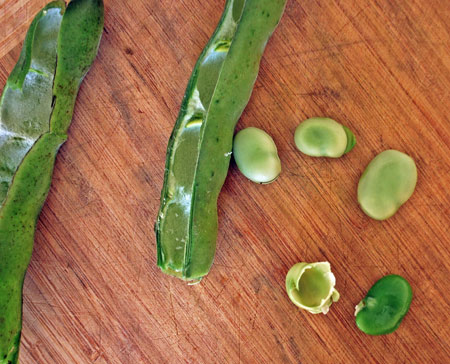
x=199 y=149
x=385 y=306
x=256 y=155
x=35 y=112
x=323 y=137
x=310 y=286
x=386 y=184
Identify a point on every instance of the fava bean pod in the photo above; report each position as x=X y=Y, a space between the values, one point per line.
x=199 y=150
x=35 y=113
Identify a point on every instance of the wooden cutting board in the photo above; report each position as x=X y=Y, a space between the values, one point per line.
x=93 y=293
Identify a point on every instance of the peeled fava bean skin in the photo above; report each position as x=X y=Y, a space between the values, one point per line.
x=311 y=286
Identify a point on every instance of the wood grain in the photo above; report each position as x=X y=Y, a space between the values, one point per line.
x=93 y=293
x=15 y=16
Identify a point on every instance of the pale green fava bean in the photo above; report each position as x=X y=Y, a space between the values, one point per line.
x=323 y=137
x=256 y=155
x=386 y=184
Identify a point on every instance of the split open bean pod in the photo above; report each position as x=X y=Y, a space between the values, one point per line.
x=36 y=109
x=256 y=155
x=324 y=137
x=200 y=147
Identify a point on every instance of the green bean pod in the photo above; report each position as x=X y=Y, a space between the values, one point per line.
x=199 y=149
x=35 y=112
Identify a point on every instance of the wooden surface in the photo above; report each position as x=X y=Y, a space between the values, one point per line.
x=93 y=293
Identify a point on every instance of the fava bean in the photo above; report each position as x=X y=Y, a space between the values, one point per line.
x=323 y=137
x=386 y=184
x=256 y=155
x=310 y=286
x=385 y=305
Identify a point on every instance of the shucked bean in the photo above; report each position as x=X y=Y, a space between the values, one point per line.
x=323 y=137
x=387 y=183
x=385 y=305
x=35 y=112
x=256 y=155
x=199 y=150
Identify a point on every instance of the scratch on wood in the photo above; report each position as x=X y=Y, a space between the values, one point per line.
x=172 y=308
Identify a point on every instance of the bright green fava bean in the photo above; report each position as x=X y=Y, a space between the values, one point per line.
x=256 y=155
x=324 y=137
x=35 y=112
x=199 y=149
x=387 y=183
x=385 y=305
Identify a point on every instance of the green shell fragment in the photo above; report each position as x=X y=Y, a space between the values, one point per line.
x=199 y=149
x=31 y=133
x=386 y=184
x=310 y=286
x=324 y=137
x=256 y=155
x=385 y=305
